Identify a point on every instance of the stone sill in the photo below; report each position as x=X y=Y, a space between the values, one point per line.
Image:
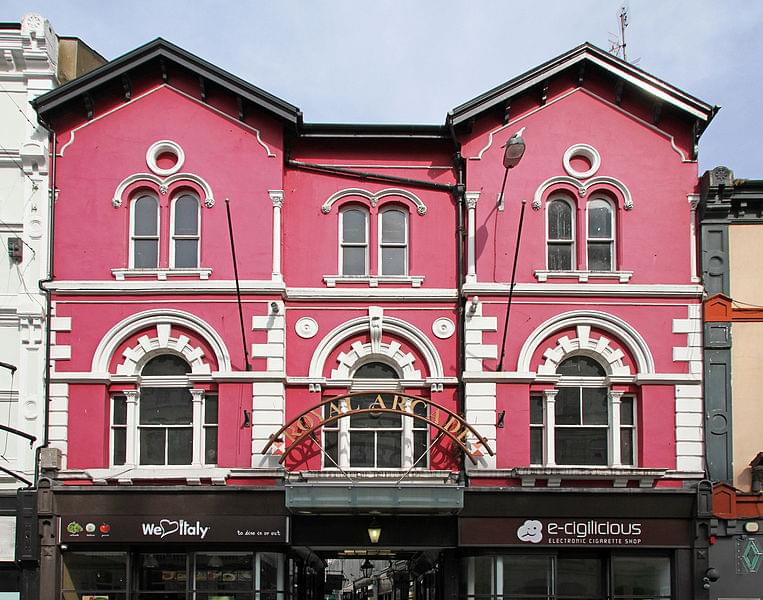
x=584 y=276
x=374 y=280
x=160 y=274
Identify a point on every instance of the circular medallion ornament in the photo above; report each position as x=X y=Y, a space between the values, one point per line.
x=443 y=328
x=306 y=327
x=30 y=410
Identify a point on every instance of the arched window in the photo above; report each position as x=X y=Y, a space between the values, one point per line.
x=144 y=253
x=185 y=232
x=353 y=241
x=600 y=236
x=164 y=421
x=393 y=242
x=582 y=422
x=561 y=236
x=376 y=441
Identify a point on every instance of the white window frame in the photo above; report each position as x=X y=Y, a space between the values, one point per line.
x=614 y=426
x=600 y=241
x=174 y=236
x=343 y=244
x=381 y=244
x=133 y=427
x=157 y=237
x=573 y=232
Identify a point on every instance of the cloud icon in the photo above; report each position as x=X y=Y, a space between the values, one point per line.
x=530 y=531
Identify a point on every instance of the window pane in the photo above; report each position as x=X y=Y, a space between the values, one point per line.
x=644 y=576
x=361 y=448
x=224 y=572
x=165 y=406
x=120 y=446
x=389 y=449
x=483 y=575
x=152 y=446
x=420 y=409
x=186 y=216
x=331 y=445
x=527 y=574
x=581 y=446
x=373 y=420
x=595 y=406
x=186 y=254
x=353 y=260
x=626 y=411
x=210 y=445
x=353 y=226
x=567 y=406
x=375 y=370
x=268 y=571
x=420 y=444
x=626 y=447
x=166 y=364
x=559 y=220
x=560 y=257
x=599 y=256
x=120 y=410
x=579 y=577
x=580 y=366
x=146 y=254
x=146 y=212
x=536 y=410
x=180 y=446
x=162 y=573
x=393 y=261
x=599 y=219
x=393 y=227
x=210 y=409
x=94 y=571
x=536 y=446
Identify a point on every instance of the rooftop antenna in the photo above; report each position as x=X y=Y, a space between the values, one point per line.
x=617 y=45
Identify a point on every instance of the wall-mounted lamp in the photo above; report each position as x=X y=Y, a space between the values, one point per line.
x=501 y=417
x=473 y=304
x=274 y=308
x=374 y=531
x=367 y=568
x=711 y=576
x=515 y=150
x=247 y=419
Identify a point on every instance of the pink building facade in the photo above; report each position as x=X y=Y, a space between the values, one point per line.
x=221 y=423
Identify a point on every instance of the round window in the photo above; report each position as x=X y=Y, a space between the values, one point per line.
x=165 y=157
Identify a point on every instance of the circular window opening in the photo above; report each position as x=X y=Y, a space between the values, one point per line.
x=165 y=157
x=581 y=161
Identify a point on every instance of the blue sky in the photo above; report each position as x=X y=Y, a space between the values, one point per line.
x=410 y=62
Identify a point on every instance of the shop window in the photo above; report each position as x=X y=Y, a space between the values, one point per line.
x=173 y=575
x=557 y=576
x=379 y=441
x=164 y=422
x=582 y=422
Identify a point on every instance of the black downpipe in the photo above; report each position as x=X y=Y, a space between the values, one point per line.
x=238 y=287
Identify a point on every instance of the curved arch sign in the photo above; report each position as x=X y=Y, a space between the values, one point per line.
x=450 y=424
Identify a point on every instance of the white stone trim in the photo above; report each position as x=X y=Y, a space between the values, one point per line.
x=276 y=197
x=147 y=347
x=586 y=151
x=584 y=187
x=274 y=350
x=373 y=198
x=693 y=200
x=396 y=326
x=588 y=289
x=160 y=274
x=583 y=276
x=584 y=344
x=374 y=280
x=157 y=148
x=162 y=186
x=625 y=333
x=471 y=266
x=268 y=416
x=692 y=327
x=155 y=318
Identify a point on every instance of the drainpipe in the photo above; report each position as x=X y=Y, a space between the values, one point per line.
x=48 y=301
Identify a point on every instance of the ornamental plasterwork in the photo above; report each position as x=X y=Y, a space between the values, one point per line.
x=373 y=198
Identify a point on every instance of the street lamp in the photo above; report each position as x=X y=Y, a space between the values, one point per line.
x=367 y=568
x=515 y=150
x=374 y=531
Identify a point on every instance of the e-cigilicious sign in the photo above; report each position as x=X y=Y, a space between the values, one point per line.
x=172 y=528
x=573 y=532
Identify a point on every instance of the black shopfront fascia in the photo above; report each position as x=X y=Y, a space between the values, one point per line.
x=629 y=522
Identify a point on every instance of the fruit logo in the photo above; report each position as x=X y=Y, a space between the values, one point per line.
x=74 y=528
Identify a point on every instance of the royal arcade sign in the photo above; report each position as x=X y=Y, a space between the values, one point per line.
x=303 y=427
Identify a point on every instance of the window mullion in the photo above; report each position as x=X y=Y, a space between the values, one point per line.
x=131 y=442
x=197 y=458
x=549 y=397
x=614 y=431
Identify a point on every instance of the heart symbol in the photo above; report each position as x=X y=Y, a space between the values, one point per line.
x=168 y=526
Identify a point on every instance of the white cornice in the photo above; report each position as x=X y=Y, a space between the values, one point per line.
x=401 y=294
x=90 y=287
x=662 y=290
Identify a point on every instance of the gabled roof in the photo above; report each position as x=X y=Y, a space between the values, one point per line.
x=586 y=52
x=161 y=49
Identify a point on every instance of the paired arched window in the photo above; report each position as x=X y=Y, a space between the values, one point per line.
x=598 y=233
x=390 y=233
x=147 y=231
x=164 y=421
x=582 y=421
x=376 y=441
